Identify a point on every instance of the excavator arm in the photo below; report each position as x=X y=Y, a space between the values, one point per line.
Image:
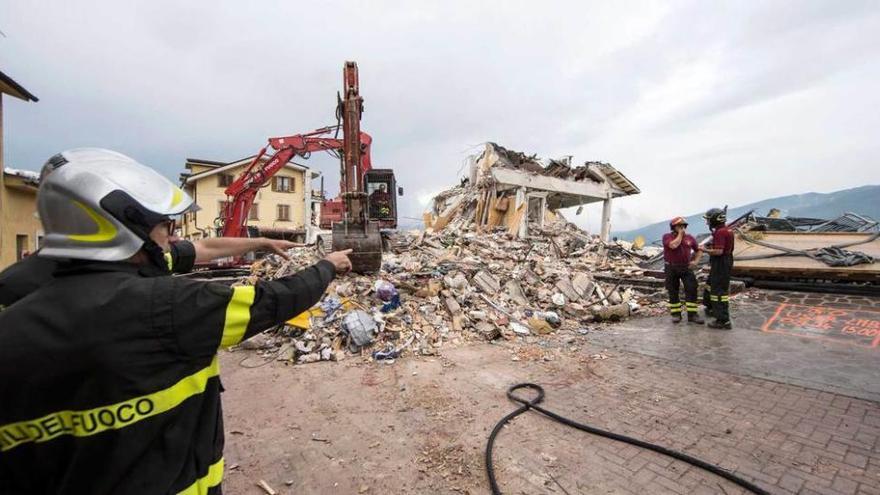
x=243 y=190
x=356 y=231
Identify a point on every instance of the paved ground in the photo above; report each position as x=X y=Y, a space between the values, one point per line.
x=827 y=342
x=420 y=424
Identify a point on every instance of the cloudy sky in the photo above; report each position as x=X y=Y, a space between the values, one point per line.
x=699 y=103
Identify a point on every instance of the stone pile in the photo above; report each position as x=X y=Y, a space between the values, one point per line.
x=445 y=288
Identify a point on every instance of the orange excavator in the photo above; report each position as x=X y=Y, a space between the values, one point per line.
x=367 y=199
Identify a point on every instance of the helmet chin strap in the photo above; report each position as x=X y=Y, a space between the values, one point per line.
x=155 y=256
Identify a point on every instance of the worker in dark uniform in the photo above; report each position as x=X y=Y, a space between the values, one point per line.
x=380 y=202
x=720 y=265
x=109 y=380
x=681 y=253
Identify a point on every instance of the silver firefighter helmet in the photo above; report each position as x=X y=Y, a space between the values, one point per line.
x=98 y=204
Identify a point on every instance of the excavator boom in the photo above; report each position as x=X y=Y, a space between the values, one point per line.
x=244 y=189
x=356 y=230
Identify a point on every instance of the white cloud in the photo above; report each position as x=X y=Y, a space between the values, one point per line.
x=699 y=103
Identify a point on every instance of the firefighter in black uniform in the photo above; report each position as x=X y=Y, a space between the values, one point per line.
x=720 y=265
x=681 y=254
x=25 y=276
x=109 y=380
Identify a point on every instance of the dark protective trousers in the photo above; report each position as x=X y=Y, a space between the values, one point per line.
x=675 y=276
x=717 y=298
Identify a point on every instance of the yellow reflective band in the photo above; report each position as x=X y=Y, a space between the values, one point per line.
x=206 y=482
x=110 y=417
x=713 y=298
x=674 y=305
x=176 y=196
x=169 y=261
x=106 y=230
x=725 y=298
x=238 y=315
x=691 y=305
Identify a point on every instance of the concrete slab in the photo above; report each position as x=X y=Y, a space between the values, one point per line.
x=820 y=341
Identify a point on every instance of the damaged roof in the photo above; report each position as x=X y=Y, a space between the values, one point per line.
x=567 y=185
x=597 y=172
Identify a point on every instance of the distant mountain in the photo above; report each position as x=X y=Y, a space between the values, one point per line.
x=864 y=200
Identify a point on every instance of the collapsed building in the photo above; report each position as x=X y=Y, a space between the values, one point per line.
x=512 y=189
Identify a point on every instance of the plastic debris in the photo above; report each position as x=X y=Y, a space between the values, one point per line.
x=360 y=326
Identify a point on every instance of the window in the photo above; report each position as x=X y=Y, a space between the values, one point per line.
x=224 y=180
x=283 y=212
x=21 y=246
x=282 y=184
x=254 y=213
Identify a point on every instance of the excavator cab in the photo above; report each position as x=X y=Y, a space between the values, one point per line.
x=382 y=192
x=365 y=240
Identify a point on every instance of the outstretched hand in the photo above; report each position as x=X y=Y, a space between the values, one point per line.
x=340 y=260
x=280 y=247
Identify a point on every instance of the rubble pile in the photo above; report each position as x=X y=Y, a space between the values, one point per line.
x=444 y=288
x=496 y=261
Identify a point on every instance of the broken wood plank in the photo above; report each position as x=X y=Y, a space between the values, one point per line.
x=495 y=214
x=266 y=488
x=449 y=213
x=565 y=286
x=486 y=282
x=478 y=211
x=515 y=220
x=515 y=292
x=452 y=306
x=601 y=294
x=583 y=285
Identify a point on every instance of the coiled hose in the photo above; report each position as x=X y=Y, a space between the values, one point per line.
x=533 y=404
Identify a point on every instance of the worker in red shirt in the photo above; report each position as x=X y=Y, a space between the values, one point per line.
x=721 y=263
x=681 y=253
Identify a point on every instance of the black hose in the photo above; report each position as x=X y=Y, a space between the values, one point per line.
x=533 y=404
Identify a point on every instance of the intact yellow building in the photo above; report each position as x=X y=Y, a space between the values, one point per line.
x=20 y=229
x=287 y=207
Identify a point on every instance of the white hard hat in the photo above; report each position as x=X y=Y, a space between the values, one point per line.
x=98 y=204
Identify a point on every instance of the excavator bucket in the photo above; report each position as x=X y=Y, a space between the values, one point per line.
x=365 y=243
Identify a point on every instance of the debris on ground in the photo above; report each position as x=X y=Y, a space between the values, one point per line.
x=495 y=262
x=447 y=288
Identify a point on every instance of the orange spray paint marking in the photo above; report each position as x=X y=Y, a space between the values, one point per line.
x=860 y=327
